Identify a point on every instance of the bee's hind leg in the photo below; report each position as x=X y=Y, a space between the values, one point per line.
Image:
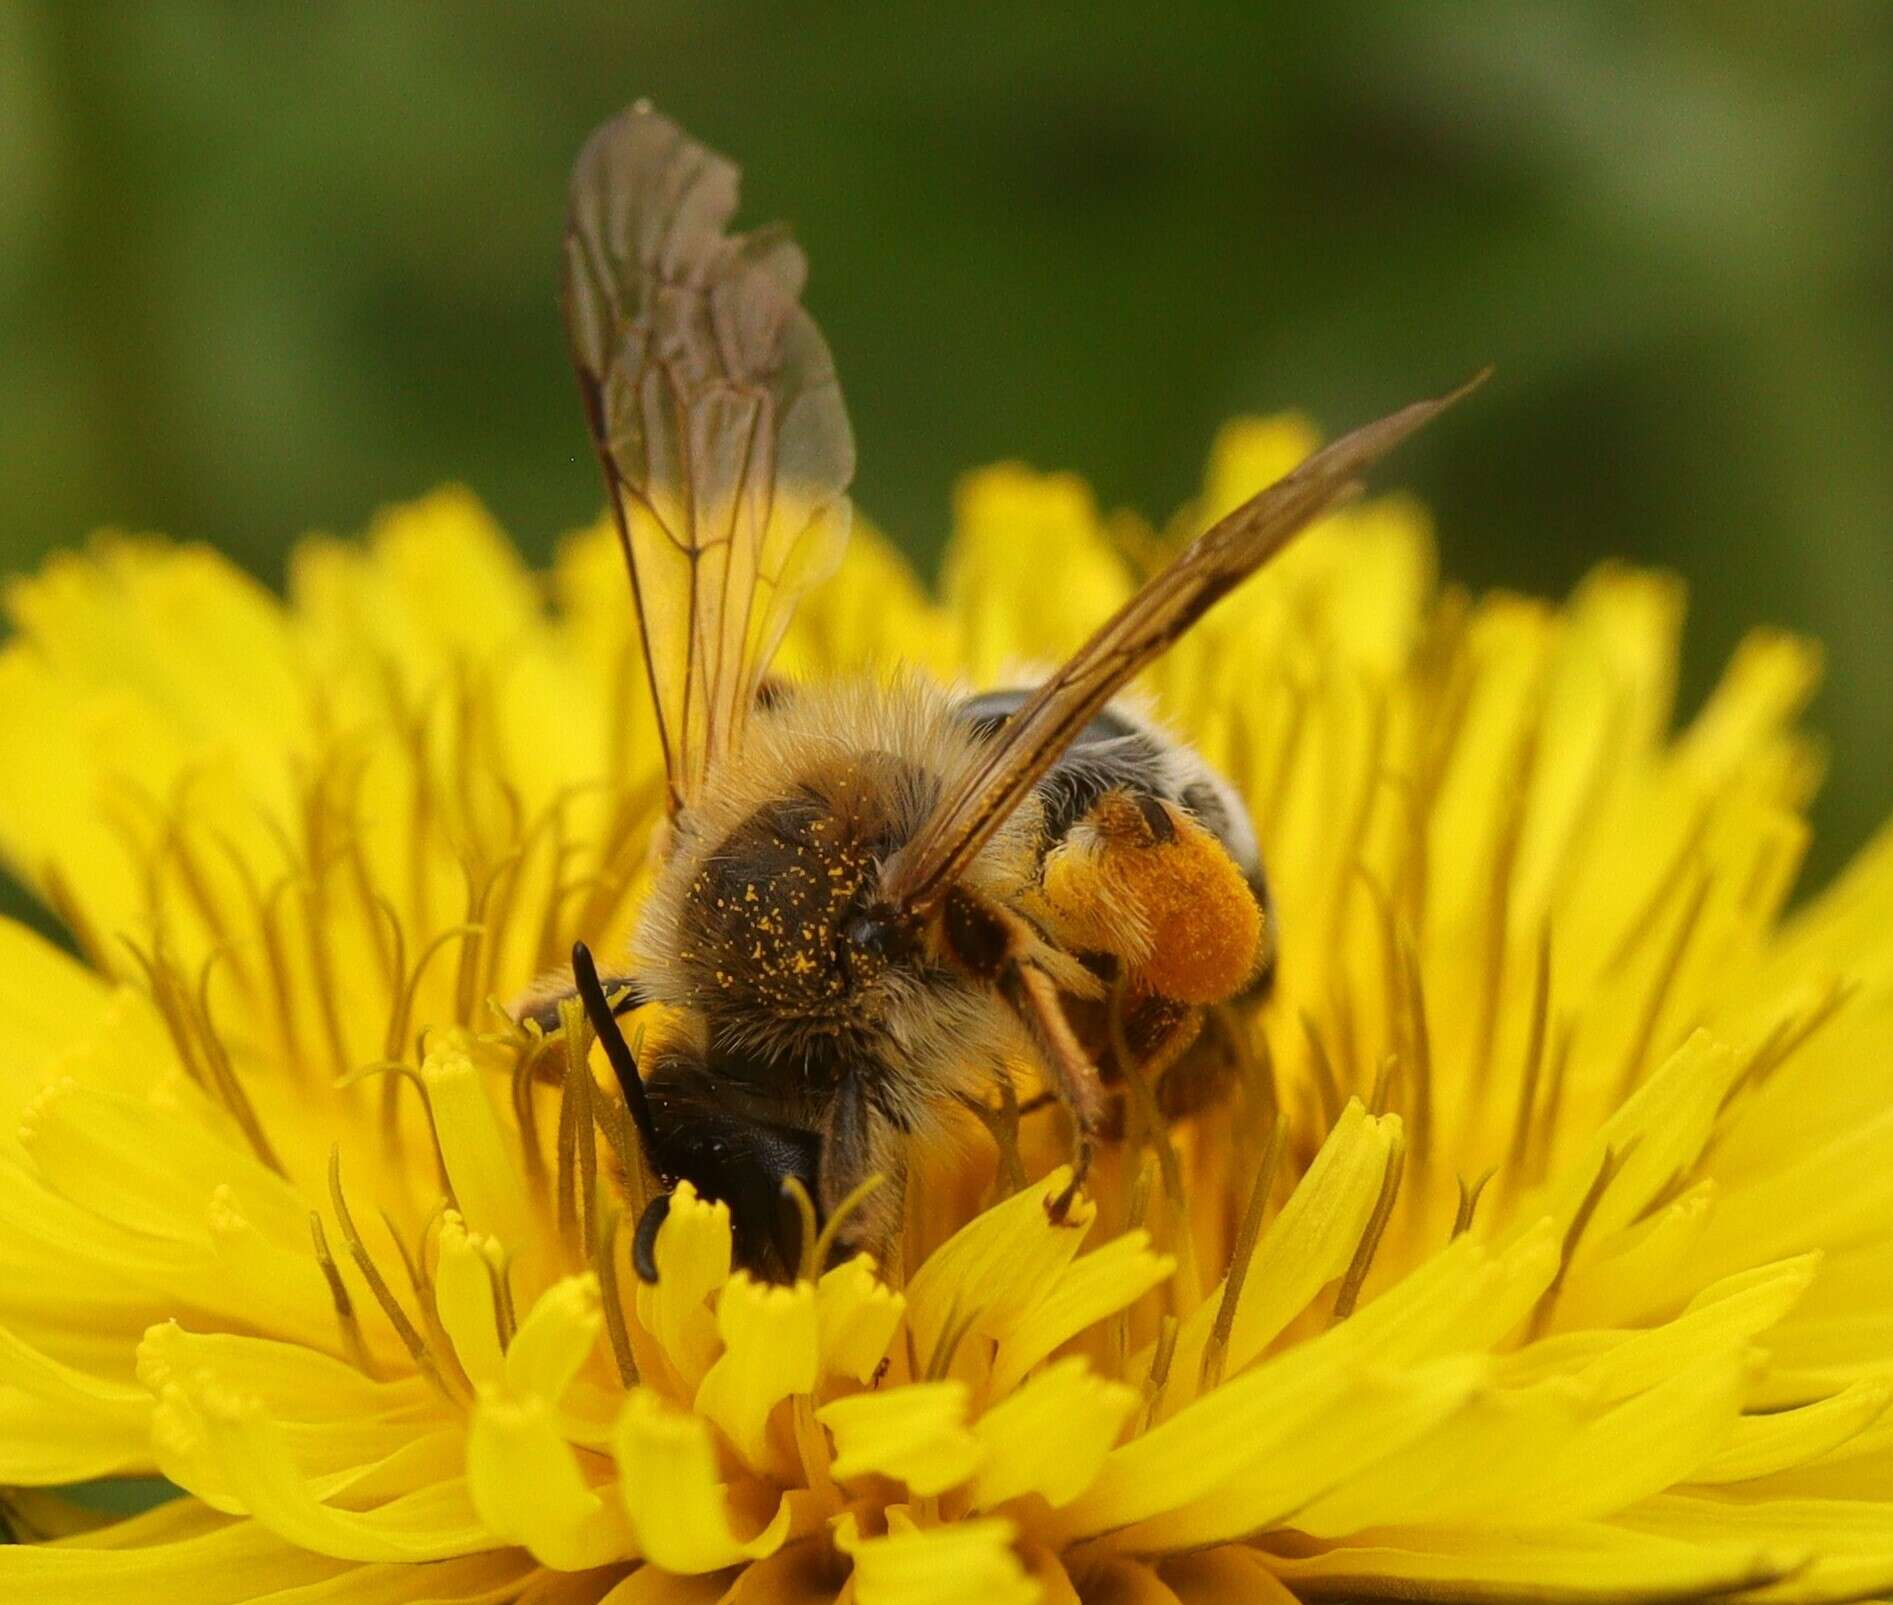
x=999 y=946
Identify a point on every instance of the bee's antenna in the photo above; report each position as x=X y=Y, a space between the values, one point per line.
x=644 y=1244
x=598 y=1008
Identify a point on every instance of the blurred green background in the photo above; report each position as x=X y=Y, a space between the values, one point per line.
x=264 y=268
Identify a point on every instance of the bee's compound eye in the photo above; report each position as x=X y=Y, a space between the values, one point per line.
x=875 y=933
x=867 y=934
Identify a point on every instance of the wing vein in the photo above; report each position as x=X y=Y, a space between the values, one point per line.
x=918 y=877
x=713 y=408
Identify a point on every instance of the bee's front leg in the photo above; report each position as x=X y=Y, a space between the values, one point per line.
x=1004 y=949
x=860 y=1145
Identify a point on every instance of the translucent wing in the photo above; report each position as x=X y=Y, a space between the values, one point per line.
x=718 y=421
x=1141 y=631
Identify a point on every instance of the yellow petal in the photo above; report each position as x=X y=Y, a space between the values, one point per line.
x=1115 y=1580
x=148 y=1556
x=485 y=1172
x=295 y=1383
x=47 y=1000
x=693 y=1261
x=1370 y=1417
x=807 y=1572
x=1092 y=1287
x=446 y=585
x=1585 y=1562
x=43 y=1443
x=165 y=1165
x=1006 y=515
x=355 y=1460
x=429 y=1523
x=1765 y=684
x=552 y=1343
x=997 y=1266
x=48 y=794
x=1718 y=1319
x=1639 y=1272
x=1305 y=1247
x=916 y=1434
x=676 y=1499
x=1661 y=1128
x=499 y=1578
x=1848 y=1542
x=1468 y=1296
x=1248 y=455
x=1799 y=1207
x=873 y=613
x=526 y=1484
x=1644 y=1444
x=651 y=1585
x=1461 y=1472
x=1229 y=1573
x=1762 y=1444
x=770 y=1350
x=970 y=1560
x=281 y=1289
x=1051 y=1436
x=857 y=1314
x=466 y=1297
x=200 y=642
x=76 y=1392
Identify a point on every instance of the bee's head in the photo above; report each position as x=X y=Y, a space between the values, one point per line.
x=782 y=918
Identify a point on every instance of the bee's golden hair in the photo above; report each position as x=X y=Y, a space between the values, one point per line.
x=935 y=1032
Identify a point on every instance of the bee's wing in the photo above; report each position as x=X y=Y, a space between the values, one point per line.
x=717 y=418
x=1033 y=739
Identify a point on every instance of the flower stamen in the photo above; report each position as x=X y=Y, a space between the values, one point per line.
x=72 y=917
x=808 y=1265
x=345 y=1316
x=224 y=1074
x=1349 y=1291
x=200 y=1049
x=1327 y=1085
x=1412 y=996
x=1614 y=1161
x=1158 y=1377
x=404 y=1328
x=961 y=1317
x=862 y=1191
x=1469 y=1199
x=578 y=1181
x=1637 y=1057
x=1534 y=1056
x=1247 y=1235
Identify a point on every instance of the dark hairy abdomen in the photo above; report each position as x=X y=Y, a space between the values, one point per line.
x=1110 y=753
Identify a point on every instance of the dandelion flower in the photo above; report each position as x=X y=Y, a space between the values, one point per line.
x=1543 y=1249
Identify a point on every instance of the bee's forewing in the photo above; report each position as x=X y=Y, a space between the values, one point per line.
x=717 y=418
x=1034 y=738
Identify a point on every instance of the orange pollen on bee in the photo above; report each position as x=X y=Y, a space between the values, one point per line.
x=1203 y=924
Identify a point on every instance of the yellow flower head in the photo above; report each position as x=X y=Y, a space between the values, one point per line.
x=1542 y=1248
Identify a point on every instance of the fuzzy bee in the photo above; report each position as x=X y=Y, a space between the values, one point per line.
x=872 y=897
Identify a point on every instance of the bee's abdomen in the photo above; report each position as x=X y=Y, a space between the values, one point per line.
x=1167 y=844
x=1115 y=752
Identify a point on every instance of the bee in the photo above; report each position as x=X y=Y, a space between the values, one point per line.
x=871 y=897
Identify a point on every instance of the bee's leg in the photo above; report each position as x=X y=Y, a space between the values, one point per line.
x=1137 y=877
x=859 y=1142
x=999 y=946
x=540 y=1006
